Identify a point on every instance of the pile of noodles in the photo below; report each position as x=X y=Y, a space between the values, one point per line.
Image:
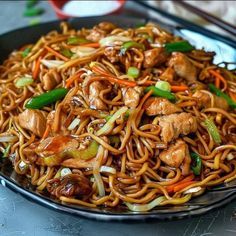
x=126 y=170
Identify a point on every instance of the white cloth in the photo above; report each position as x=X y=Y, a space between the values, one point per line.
x=225 y=10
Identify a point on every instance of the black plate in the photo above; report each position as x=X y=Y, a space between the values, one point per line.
x=199 y=205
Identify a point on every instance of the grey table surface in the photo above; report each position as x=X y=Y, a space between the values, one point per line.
x=19 y=216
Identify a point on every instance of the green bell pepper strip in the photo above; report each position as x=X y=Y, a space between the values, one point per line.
x=196 y=168
x=77 y=40
x=45 y=99
x=56 y=159
x=66 y=52
x=219 y=93
x=181 y=46
x=26 y=52
x=131 y=44
x=213 y=131
x=160 y=93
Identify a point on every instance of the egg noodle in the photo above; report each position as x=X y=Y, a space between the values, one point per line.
x=111 y=117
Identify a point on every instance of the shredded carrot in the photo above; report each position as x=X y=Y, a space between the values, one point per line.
x=217 y=82
x=113 y=79
x=92 y=45
x=183 y=185
x=189 y=178
x=101 y=71
x=73 y=78
x=46 y=132
x=36 y=68
x=179 y=88
x=57 y=54
x=148 y=83
x=232 y=95
x=121 y=82
x=218 y=78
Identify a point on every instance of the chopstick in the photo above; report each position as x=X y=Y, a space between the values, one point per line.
x=209 y=17
x=188 y=24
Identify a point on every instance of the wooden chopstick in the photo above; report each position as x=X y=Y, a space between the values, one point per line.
x=209 y=17
x=188 y=24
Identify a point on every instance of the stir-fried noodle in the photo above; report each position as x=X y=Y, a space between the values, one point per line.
x=106 y=117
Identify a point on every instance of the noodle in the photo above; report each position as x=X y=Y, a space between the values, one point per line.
x=120 y=121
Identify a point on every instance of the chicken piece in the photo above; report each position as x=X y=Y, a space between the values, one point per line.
x=34 y=121
x=91 y=91
x=175 y=124
x=57 y=127
x=51 y=79
x=160 y=106
x=57 y=144
x=168 y=74
x=95 y=101
x=153 y=57
x=112 y=54
x=78 y=163
x=183 y=66
x=220 y=103
x=29 y=152
x=204 y=100
x=96 y=34
x=75 y=185
x=131 y=96
x=177 y=155
x=106 y=26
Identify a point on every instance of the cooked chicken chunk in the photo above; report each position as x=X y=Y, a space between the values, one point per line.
x=112 y=54
x=160 y=106
x=220 y=103
x=34 y=121
x=95 y=101
x=51 y=79
x=96 y=34
x=204 y=100
x=56 y=144
x=78 y=163
x=154 y=57
x=106 y=26
x=91 y=91
x=168 y=74
x=175 y=124
x=75 y=185
x=131 y=96
x=183 y=66
x=57 y=127
x=177 y=155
